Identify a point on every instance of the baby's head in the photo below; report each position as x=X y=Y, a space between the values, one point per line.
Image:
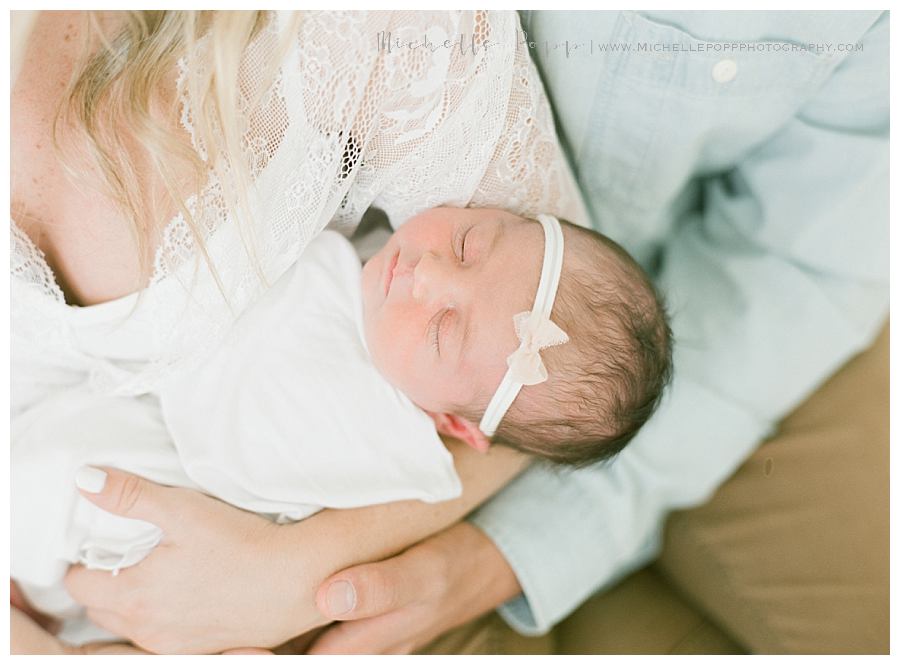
x=439 y=301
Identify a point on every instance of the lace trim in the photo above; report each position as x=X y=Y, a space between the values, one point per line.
x=28 y=264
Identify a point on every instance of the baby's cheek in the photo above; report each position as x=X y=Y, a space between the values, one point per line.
x=379 y=351
x=387 y=350
x=405 y=369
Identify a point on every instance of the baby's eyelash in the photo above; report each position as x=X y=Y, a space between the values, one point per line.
x=436 y=329
x=435 y=342
x=462 y=244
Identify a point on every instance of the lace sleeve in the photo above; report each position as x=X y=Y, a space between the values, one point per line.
x=402 y=110
x=528 y=173
x=464 y=125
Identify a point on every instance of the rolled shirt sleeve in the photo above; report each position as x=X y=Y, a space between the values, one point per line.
x=779 y=280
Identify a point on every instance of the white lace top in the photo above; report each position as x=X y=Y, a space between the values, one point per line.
x=345 y=125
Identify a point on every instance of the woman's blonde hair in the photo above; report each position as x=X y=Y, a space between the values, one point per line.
x=119 y=98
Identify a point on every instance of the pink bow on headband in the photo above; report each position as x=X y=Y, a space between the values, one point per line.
x=535 y=333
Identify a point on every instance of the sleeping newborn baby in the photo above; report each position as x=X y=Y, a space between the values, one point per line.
x=332 y=389
x=542 y=335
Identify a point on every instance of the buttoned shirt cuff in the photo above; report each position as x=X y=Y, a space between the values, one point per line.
x=547 y=595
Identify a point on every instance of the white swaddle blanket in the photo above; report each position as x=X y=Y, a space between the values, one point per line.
x=288 y=416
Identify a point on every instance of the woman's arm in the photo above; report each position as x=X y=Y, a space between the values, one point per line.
x=224 y=578
x=386 y=529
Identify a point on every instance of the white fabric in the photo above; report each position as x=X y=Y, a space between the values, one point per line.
x=288 y=416
x=534 y=329
x=51 y=525
x=295 y=415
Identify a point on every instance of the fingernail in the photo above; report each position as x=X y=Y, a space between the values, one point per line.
x=341 y=597
x=90 y=479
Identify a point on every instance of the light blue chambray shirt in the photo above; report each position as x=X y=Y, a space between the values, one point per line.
x=753 y=183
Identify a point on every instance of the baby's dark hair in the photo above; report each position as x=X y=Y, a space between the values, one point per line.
x=607 y=381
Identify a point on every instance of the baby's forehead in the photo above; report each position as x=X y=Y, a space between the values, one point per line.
x=498 y=215
x=507 y=287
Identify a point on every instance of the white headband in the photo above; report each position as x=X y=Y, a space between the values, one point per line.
x=535 y=331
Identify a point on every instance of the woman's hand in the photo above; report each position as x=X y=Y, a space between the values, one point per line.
x=221 y=577
x=401 y=604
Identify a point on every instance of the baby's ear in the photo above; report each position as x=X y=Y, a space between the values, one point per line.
x=462 y=429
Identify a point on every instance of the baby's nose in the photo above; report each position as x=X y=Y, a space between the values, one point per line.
x=430 y=279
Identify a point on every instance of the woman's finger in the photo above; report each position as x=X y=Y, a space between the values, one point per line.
x=128 y=495
x=372 y=589
x=377 y=635
x=99 y=590
x=300 y=643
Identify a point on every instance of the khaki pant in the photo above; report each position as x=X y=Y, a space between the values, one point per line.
x=791 y=555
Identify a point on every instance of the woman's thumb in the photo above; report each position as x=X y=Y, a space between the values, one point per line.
x=370 y=589
x=124 y=494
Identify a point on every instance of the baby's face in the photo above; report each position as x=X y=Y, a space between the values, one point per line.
x=439 y=300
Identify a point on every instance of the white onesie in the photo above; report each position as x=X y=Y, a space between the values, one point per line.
x=286 y=417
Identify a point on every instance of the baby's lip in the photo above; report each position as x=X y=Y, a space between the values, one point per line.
x=389 y=273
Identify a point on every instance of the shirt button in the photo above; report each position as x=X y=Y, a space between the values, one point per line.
x=724 y=71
